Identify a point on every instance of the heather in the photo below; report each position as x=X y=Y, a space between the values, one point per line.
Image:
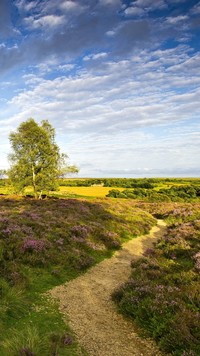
x=44 y=243
x=163 y=293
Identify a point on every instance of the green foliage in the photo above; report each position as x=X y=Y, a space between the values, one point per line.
x=163 y=293
x=35 y=159
x=174 y=193
x=145 y=183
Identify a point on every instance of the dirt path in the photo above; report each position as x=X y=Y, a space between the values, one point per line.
x=87 y=306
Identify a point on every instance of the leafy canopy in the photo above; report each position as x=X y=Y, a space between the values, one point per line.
x=36 y=159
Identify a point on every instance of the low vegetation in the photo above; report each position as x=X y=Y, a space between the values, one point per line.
x=163 y=293
x=44 y=243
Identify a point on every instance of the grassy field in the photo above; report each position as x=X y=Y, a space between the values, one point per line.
x=94 y=191
x=90 y=192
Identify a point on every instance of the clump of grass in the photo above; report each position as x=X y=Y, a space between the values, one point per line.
x=27 y=342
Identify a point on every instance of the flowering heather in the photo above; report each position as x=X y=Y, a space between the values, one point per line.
x=31 y=215
x=162 y=295
x=35 y=245
x=80 y=231
x=51 y=229
x=46 y=242
x=96 y=247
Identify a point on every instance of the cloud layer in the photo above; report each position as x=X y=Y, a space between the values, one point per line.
x=118 y=80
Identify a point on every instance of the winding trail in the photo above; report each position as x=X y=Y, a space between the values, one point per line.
x=86 y=303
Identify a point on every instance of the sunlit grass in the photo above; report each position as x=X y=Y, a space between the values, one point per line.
x=94 y=191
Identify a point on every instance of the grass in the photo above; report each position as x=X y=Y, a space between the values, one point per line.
x=44 y=243
x=94 y=191
x=163 y=293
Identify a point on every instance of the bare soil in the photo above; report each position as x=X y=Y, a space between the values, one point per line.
x=86 y=304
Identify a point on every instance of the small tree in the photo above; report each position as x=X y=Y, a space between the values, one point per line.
x=36 y=159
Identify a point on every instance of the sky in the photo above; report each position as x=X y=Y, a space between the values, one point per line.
x=119 y=81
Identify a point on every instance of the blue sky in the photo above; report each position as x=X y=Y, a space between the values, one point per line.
x=119 y=81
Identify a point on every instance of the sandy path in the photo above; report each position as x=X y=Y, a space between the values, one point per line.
x=87 y=306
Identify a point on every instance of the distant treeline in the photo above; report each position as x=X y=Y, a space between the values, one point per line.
x=175 y=193
x=147 y=183
x=135 y=183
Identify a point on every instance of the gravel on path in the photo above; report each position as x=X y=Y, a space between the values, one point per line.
x=86 y=304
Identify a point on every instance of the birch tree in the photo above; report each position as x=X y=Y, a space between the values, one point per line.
x=36 y=159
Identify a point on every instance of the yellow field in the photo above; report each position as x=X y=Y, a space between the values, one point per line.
x=94 y=191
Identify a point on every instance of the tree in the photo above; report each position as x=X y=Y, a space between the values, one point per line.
x=36 y=159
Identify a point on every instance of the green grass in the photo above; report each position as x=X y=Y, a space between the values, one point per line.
x=46 y=243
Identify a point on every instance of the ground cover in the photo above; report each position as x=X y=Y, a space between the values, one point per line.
x=44 y=243
x=163 y=293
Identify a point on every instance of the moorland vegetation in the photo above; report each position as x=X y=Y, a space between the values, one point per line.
x=44 y=243
x=163 y=293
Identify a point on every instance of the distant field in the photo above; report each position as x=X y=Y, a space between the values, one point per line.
x=94 y=191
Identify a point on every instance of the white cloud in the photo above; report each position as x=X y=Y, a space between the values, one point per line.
x=66 y=67
x=119 y=95
x=134 y=11
x=44 y=21
x=100 y=55
x=176 y=19
x=68 y=5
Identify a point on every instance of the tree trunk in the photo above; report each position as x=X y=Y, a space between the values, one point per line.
x=33 y=181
